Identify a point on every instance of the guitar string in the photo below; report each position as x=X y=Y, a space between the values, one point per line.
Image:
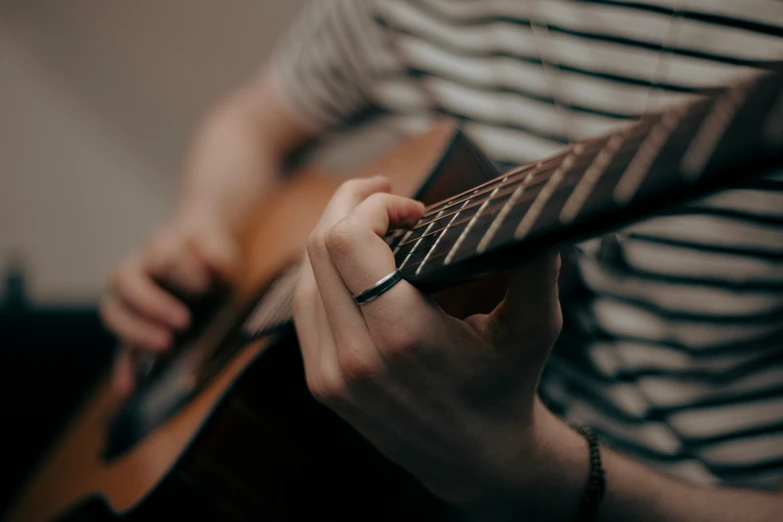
x=516 y=176
x=524 y=199
x=513 y=180
x=536 y=166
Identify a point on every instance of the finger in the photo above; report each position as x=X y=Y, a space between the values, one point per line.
x=356 y=244
x=308 y=321
x=348 y=196
x=178 y=266
x=133 y=286
x=362 y=258
x=316 y=341
x=122 y=372
x=354 y=346
x=131 y=327
x=531 y=310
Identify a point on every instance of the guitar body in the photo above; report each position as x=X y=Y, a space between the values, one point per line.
x=253 y=444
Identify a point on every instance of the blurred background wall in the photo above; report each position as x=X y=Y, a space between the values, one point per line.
x=97 y=100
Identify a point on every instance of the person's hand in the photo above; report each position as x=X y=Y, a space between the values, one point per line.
x=143 y=305
x=454 y=402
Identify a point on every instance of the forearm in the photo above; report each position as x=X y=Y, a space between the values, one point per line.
x=237 y=153
x=633 y=491
x=547 y=478
x=638 y=493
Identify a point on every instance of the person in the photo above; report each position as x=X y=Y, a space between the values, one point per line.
x=671 y=338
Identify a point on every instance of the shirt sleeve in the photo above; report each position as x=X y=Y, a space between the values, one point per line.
x=327 y=60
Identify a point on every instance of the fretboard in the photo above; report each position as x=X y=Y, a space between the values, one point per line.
x=713 y=141
x=688 y=150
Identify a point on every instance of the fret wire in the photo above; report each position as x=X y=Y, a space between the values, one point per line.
x=532 y=214
x=530 y=198
x=587 y=183
x=505 y=209
x=640 y=165
x=485 y=188
x=513 y=176
x=405 y=236
x=441 y=216
x=455 y=200
x=415 y=246
x=773 y=128
x=631 y=132
x=472 y=222
x=477 y=202
x=711 y=131
x=524 y=169
x=440 y=237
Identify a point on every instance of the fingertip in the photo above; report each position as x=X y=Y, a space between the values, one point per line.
x=180 y=317
x=421 y=209
x=384 y=184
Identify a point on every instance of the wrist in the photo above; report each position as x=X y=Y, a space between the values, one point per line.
x=543 y=478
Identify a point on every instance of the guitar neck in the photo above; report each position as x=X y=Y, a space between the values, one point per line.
x=711 y=142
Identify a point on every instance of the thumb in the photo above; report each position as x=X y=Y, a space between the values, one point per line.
x=530 y=315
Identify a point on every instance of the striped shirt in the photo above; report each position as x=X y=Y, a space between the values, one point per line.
x=672 y=347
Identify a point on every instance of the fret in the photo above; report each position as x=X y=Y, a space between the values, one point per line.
x=493 y=228
x=640 y=165
x=484 y=188
x=712 y=130
x=609 y=181
x=440 y=237
x=418 y=241
x=773 y=127
x=587 y=182
x=396 y=238
x=453 y=250
x=532 y=214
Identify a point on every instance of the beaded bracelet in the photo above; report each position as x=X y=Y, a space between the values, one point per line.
x=596 y=485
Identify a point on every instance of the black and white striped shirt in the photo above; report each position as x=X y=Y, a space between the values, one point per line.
x=673 y=344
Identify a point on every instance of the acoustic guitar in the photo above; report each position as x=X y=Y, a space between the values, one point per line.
x=223 y=428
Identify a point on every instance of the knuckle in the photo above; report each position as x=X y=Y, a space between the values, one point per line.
x=398 y=344
x=328 y=389
x=339 y=239
x=378 y=199
x=356 y=369
x=351 y=187
x=161 y=238
x=315 y=243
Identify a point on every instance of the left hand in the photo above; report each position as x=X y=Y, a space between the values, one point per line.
x=453 y=402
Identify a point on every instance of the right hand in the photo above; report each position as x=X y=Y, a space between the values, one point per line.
x=187 y=256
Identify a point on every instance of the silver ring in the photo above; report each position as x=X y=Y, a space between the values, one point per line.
x=375 y=291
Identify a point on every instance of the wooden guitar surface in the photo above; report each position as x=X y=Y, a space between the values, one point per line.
x=74 y=470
